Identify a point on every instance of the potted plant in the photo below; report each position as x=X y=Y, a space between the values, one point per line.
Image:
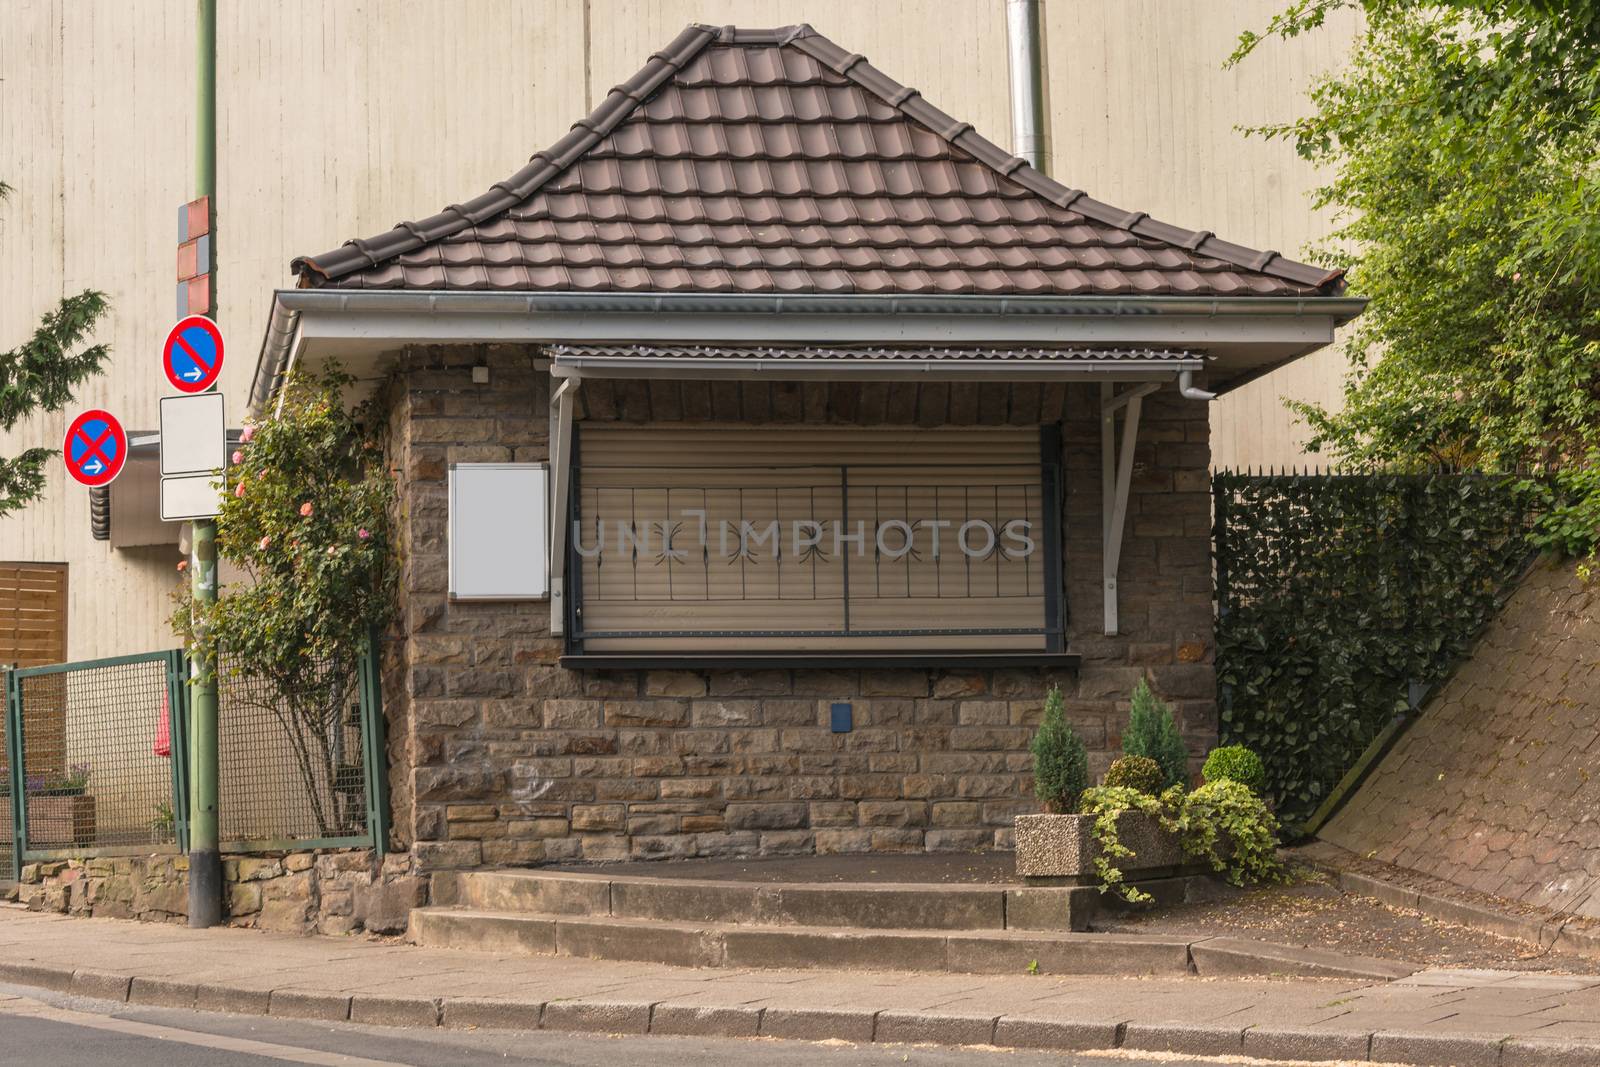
x=60 y=811
x=1064 y=846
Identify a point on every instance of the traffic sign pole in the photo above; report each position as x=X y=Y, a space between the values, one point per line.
x=205 y=855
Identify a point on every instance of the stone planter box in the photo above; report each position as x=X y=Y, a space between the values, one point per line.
x=56 y=822
x=1061 y=849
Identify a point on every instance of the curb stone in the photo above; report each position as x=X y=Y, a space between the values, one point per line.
x=1436 y=1050
x=309 y=1004
x=1192 y=1040
x=820 y=1024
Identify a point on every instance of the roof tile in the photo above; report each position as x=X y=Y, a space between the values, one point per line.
x=775 y=161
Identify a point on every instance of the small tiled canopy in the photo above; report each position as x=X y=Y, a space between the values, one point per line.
x=773 y=162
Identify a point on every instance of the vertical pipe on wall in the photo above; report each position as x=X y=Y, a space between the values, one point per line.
x=1027 y=81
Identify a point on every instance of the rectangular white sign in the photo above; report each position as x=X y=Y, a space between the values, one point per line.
x=499 y=531
x=189 y=496
x=194 y=434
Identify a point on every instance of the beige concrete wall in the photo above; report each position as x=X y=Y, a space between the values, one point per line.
x=342 y=119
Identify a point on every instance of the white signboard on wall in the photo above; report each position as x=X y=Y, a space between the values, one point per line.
x=499 y=531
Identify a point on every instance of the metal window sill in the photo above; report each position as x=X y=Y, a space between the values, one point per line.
x=623 y=661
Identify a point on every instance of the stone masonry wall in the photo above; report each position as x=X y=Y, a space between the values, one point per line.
x=501 y=757
x=329 y=892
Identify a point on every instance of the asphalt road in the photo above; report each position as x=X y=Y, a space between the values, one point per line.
x=39 y=1029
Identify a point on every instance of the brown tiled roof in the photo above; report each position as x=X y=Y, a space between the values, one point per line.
x=773 y=161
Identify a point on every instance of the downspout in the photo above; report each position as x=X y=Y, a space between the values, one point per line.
x=1027 y=81
x=1189 y=391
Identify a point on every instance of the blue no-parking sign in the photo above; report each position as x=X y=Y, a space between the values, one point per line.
x=192 y=356
x=96 y=448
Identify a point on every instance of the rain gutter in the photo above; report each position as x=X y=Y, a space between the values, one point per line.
x=583 y=315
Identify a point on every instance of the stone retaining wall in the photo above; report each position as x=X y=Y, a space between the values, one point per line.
x=502 y=757
x=332 y=892
x=1494 y=788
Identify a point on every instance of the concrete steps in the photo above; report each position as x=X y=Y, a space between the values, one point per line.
x=870 y=905
x=969 y=929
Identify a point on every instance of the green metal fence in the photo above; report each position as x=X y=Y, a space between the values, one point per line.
x=95 y=761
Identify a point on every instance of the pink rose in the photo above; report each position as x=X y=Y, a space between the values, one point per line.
x=183 y=565
x=238 y=457
x=364 y=534
x=332 y=549
x=238 y=490
x=265 y=541
x=305 y=509
x=248 y=435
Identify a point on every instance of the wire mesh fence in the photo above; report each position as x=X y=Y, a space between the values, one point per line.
x=97 y=767
x=292 y=769
x=94 y=760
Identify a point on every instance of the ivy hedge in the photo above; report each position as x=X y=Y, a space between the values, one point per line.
x=1342 y=596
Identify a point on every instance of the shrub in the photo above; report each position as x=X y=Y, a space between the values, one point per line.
x=1222 y=823
x=1060 y=763
x=1152 y=733
x=1140 y=773
x=1236 y=763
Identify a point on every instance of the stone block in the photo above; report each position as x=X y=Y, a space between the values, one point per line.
x=750 y=816
x=309 y=1004
x=693 y=1020
x=598 y=1016
x=674 y=684
x=1270 y=1043
x=100 y=985
x=385 y=908
x=1436 y=1049
x=487 y=1013
x=938 y=1027
x=818 y=1024
x=375 y=1010
x=1020 y=1031
x=1188 y=1040
x=210 y=996
x=162 y=993
x=646 y=713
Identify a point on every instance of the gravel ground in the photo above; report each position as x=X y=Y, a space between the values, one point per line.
x=1314 y=913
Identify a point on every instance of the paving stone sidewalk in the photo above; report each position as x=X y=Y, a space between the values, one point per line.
x=1434 y=1017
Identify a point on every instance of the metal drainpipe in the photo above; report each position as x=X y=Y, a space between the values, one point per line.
x=1027 y=81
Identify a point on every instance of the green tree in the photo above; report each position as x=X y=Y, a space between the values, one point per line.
x=307 y=517
x=1461 y=139
x=40 y=375
x=1152 y=733
x=1060 y=761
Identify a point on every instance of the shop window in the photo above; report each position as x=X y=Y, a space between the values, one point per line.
x=815 y=539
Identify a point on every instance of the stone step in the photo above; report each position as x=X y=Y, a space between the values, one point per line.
x=699 y=944
x=702 y=944
x=865 y=905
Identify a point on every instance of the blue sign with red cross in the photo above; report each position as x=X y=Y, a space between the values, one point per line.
x=96 y=448
x=192 y=356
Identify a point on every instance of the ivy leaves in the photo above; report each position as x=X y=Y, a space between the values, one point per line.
x=1337 y=591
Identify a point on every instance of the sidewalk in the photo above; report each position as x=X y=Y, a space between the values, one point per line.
x=1433 y=1017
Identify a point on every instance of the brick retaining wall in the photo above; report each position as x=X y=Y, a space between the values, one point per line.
x=499 y=756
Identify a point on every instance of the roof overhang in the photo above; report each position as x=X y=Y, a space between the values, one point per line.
x=1242 y=337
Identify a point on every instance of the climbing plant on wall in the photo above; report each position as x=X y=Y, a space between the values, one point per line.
x=1337 y=594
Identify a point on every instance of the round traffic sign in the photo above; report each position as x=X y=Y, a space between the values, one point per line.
x=192 y=356
x=96 y=448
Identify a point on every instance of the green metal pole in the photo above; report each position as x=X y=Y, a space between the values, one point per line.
x=205 y=856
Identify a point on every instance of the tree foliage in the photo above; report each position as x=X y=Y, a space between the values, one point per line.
x=307 y=517
x=1060 y=761
x=1463 y=144
x=40 y=375
x=1152 y=732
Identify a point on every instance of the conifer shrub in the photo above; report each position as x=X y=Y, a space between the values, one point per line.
x=1060 y=761
x=1140 y=773
x=1238 y=764
x=1152 y=733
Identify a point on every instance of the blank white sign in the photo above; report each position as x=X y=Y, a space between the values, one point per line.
x=499 y=531
x=190 y=496
x=194 y=434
